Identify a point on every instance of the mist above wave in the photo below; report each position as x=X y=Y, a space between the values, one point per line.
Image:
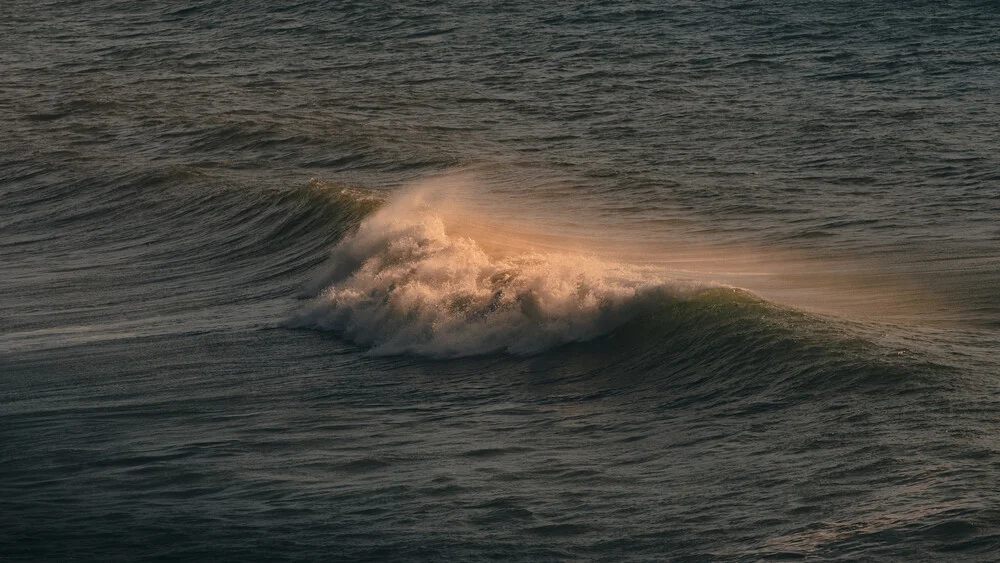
x=403 y=283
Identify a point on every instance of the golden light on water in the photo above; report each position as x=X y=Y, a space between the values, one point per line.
x=842 y=285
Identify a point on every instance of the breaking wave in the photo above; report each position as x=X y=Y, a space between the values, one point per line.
x=402 y=283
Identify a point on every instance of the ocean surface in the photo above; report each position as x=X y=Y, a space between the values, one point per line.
x=499 y=281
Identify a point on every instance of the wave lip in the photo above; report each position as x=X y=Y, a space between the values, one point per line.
x=403 y=284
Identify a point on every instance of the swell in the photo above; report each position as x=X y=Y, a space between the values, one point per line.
x=406 y=283
x=724 y=347
x=132 y=245
x=401 y=280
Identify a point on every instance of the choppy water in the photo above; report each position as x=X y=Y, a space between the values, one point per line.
x=474 y=280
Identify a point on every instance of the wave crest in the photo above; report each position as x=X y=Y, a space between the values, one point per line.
x=404 y=284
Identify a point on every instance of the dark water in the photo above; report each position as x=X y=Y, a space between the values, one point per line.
x=499 y=281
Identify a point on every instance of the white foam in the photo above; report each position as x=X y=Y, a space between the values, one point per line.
x=403 y=284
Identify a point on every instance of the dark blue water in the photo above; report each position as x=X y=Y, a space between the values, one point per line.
x=499 y=281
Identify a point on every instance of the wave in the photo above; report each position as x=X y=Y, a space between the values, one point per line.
x=416 y=273
x=412 y=280
x=159 y=243
x=403 y=282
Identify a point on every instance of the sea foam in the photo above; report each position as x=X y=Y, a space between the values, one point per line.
x=403 y=283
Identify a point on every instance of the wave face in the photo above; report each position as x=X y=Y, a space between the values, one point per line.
x=402 y=283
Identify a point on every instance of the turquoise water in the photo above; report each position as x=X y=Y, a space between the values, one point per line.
x=469 y=281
